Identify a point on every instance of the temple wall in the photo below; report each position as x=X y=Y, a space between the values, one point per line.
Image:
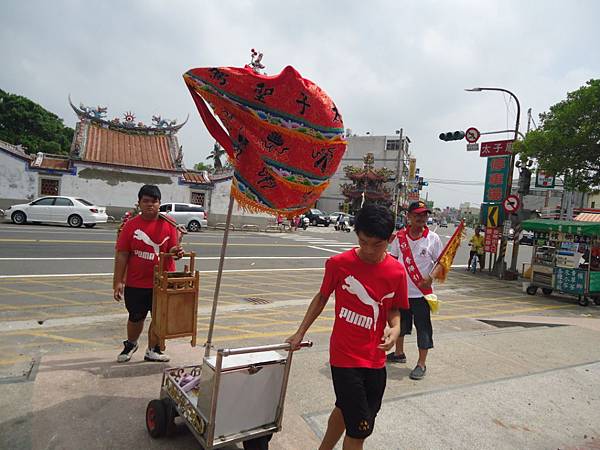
x=17 y=184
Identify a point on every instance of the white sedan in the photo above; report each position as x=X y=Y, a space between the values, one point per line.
x=70 y=210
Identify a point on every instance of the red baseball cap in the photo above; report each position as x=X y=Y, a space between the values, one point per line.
x=418 y=208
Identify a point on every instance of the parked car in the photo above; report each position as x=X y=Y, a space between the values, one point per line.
x=443 y=224
x=57 y=209
x=194 y=217
x=316 y=217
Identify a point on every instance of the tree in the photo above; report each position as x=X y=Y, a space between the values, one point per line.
x=201 y=167
x=29 y=124
x=568 y=140
x=215 y=155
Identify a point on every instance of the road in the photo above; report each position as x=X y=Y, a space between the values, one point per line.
x=55 y=287
x=61 y=330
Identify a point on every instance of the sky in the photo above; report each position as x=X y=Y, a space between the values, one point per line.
x=387 y=64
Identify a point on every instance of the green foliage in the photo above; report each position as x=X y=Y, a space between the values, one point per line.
x=202 y=166
x=27 y=123
x=568 y=141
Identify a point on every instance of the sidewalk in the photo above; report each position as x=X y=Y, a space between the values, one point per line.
x=536 y=387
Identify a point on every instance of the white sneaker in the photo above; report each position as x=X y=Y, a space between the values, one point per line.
x=128 y=350
x=156 y=355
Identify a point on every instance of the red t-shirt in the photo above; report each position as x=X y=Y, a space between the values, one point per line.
x=364 y=293
x=144 y=240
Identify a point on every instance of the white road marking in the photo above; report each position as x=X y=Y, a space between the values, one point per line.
x=203 y=258
x=324 y=249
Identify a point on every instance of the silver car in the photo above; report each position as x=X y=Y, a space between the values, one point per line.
x=194 y=217
x=57 y=209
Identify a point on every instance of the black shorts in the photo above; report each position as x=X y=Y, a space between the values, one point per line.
x=358 y=394
x=138 y=302
x=420 y=314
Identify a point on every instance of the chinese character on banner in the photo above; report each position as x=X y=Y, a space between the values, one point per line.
x=496 y=179
x=498 y=163
x=495 y=194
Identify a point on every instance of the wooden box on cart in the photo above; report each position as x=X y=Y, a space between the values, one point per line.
x=175 y=301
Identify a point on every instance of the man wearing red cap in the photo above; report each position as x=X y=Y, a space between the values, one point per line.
x=417 y=248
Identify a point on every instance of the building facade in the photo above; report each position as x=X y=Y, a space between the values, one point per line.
x=390 y=152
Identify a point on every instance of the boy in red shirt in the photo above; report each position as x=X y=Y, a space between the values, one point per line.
x=370 y=288
x=140 y=241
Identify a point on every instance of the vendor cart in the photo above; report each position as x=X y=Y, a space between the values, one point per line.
x=234 y=396
x=566 y=258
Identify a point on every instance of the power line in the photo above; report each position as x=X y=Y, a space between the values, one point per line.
x=456 y=182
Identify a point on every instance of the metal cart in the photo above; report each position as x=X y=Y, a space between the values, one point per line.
x=235 y=396
x=558 y=246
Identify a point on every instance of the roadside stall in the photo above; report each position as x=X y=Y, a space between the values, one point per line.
x=566 y=258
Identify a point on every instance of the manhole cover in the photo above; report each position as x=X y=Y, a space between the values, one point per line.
x=508 y=323
x=257 y=300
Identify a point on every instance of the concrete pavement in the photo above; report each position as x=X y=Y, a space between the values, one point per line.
x=515 y=387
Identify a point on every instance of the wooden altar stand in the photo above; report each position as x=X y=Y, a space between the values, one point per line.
x=175 y=301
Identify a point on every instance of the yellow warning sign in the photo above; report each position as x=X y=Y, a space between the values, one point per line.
x=493 y=216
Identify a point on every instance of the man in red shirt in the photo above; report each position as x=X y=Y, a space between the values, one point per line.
x=140 y=241
x=370 y=287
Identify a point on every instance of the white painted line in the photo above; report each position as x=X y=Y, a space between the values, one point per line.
x=65 y=275
x=324 y=249
x=203 y=258
x=109 y=274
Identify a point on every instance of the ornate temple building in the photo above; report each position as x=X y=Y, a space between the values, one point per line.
x=367 y=184
x=108 y=162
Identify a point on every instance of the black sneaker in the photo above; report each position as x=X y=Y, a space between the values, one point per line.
x=129 y=349
x=417 y=373
x=392 y=357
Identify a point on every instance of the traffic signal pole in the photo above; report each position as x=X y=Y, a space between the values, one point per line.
x=504 y=241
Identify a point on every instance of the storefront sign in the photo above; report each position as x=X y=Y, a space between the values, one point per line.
x=492 y=235
x=569 y=280
x=496 y=179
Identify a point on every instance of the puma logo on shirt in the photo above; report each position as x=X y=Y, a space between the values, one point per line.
x=141 y=236
x=353 y=286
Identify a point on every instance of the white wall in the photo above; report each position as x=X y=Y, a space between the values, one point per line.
x=109 y=187
x=218 y=208
x=16 y=182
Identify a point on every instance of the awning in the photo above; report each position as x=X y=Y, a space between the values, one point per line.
x=588 y=217
x=563 y=226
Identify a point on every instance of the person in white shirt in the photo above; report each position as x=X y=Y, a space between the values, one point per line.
x=417 y=248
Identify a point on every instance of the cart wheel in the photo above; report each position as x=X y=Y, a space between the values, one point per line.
x=156 y=418
x=171 y=413
x=261 y=443
x=547 y=291
x=583 y=300
x=532 y=290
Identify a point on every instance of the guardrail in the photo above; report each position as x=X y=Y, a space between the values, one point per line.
x=250 y=227
x=221 y=226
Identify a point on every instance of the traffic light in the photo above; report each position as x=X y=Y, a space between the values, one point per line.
x=422 y=183
x=524 y=180
x=452 y=136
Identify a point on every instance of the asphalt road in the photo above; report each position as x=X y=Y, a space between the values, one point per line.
x=52 y=250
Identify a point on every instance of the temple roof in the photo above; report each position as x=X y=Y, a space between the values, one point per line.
x=195 y=177
x=43 y=161
x=113 y=146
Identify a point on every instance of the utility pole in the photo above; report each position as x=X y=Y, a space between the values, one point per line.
x=504 y=241
x=398 y=167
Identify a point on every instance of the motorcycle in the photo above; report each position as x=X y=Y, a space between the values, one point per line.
x=304 y=222
x=343 y=225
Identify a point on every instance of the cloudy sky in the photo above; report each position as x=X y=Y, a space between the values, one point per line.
x=387 y=64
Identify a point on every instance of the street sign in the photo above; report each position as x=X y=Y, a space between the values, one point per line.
x=490 y=240
x=472 y=134
x=544 y=179
x=492 y=218
x=485 y=212
x=473 y=147
x=511 y=204
x=496 y=179
x=496 y=148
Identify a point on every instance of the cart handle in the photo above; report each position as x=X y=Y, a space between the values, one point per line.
x=262 y=348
